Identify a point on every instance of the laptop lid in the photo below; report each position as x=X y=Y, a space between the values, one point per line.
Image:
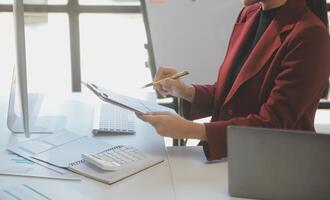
x=278 y=164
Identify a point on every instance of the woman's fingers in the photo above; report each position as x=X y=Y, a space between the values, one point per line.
x=168 y=83
x=152 y=119
x=159 y=74
x=164 y=88
x=164 y=72
x=163 y=91
x=159 y=113
x=141 y=116
x=167 y=87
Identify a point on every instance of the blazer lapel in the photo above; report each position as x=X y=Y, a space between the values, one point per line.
x=267 y=45
x=239 y=37
x=261 y=53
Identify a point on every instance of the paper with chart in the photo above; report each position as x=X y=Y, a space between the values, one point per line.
x=59 y=150
x=33 y=147
x=14 y=165
x=63 y=156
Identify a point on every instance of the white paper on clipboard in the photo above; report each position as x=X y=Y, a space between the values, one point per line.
x=129 y=103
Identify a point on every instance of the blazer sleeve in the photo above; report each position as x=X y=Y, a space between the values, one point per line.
x=304 y=73
x=202 y=105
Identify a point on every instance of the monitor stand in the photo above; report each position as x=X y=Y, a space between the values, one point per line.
x=37 y=124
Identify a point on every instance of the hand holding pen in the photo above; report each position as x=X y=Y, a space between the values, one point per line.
x=174 y=76
x=167 y=82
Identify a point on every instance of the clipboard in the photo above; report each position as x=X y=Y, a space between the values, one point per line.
x=129 y=103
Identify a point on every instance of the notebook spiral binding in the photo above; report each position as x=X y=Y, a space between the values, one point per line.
x=77 y=163
x=112 y=148
x=83 y=161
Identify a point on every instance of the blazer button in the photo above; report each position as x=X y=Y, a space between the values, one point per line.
x=230 y=112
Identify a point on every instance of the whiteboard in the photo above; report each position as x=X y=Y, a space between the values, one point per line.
x=190 y=34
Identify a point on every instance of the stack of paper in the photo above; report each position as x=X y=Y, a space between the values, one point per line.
x=59 y=150
x=18 y=159
x=14 y=165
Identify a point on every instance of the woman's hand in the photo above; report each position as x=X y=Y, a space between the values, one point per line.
x=172 y=125
x=173 y=87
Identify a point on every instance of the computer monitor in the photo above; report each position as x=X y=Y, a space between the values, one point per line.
x=26 y=121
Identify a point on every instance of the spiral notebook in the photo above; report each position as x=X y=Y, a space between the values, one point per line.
x=64 y=150
x=86 y=169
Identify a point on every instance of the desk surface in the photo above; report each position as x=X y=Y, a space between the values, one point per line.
x=153 y=183
x=183 y=175
x=194 y=178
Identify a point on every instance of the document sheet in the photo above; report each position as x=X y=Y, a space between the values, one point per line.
x=59 y=150
x=14 y=165
x=43 y=144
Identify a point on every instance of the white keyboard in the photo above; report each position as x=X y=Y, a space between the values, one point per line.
x=119 y=157
x=111 y=119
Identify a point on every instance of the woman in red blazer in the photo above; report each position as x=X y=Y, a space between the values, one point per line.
x=275 y=71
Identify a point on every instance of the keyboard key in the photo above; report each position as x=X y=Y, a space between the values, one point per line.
x=113 y=119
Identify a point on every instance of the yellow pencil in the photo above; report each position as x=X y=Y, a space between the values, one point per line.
x=175 y=76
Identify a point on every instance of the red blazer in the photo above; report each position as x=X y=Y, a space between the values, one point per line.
x=280 y=84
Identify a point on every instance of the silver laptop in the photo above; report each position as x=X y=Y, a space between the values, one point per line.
x=278 y=164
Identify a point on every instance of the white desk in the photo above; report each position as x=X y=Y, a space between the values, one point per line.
x=322 y=121
x=184 y=175
x=153 y=183
x=193 y=179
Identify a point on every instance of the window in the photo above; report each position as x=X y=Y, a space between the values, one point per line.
x=55 y=31
x=6 y=52
x=109 y=2
x=38 y=2
x=112 y=50
x=48 y=52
